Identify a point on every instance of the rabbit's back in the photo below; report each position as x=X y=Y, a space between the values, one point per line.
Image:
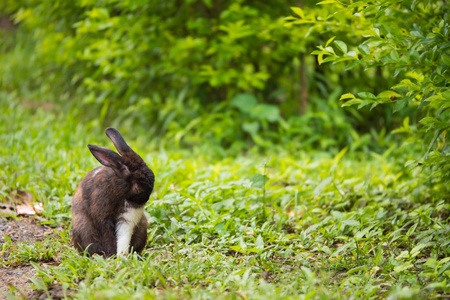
x=104 y=193
x=96 y=206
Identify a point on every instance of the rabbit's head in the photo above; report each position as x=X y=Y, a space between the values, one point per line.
x=129 y=166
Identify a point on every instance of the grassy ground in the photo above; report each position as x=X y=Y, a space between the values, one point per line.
x=350 y=226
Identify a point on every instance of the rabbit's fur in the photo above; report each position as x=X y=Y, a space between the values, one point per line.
x=108 y=206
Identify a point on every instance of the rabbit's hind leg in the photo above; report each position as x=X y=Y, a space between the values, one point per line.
x=96 y=239
x=139 y=238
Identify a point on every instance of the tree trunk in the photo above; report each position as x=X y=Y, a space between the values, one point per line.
x=303 y=85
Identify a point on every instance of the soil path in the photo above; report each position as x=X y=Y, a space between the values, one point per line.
x=27 y=230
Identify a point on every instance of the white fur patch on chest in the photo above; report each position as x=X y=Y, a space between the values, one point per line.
x=125 y=227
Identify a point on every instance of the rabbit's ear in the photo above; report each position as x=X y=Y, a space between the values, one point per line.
x=119 y=142
x=107 y=157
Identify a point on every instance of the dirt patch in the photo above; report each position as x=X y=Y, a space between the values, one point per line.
x=24 y=229
x=18 y=277
x=55 y=291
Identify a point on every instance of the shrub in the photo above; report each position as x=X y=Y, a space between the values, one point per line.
x=407 y=41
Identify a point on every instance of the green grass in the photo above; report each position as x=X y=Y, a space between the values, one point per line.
x=322 y=227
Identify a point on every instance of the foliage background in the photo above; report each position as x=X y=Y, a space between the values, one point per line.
x=180 y=69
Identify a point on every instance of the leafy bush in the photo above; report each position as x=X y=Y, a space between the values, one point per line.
x=176 y=70
x=131 y=54
x=407 y=41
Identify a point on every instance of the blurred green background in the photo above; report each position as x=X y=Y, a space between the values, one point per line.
x=231 y=77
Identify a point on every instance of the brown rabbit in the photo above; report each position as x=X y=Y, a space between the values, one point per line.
x=108 y=206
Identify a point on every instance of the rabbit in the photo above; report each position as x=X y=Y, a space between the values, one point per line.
x=108 y=206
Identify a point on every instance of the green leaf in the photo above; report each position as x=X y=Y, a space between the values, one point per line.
x=403 y=267
x=264 y=162
x=259 y=180
x=405 y=83
x=364 y=103
x=364 y=49
x=267 y=112
x=352 y=64
x=347 y=96
x=329 y=41
x=341 y=249
x=7 y=239
x=351 y=222
x=367 y=95
x=237 y=249
x=406 y=125
x=309 y=275
x=428 y=121
x=401 y=104
x=360 y=234
x=341 y=46
x=253 y=250
x=418 y=248
x=351 y=102
x=251 y=127
x=388 y=94
x=446 y=59
x=318 y=190
x=411 y=230
x=345 y=58
x=357 y=4
x=371 y=32
x=298 y=11
x=338 y=157
x=259 y=243
x=444 y=260
x=329 y=58
x=434 y=98
x=240 y=272
x=242 y=243
x=443 y=268
x=394 y=55
x=326 y=250
x=326 y=2
x=220 y=228
x=320 y=59
x=431 y=262
x=446 y=94
x=244 y=102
